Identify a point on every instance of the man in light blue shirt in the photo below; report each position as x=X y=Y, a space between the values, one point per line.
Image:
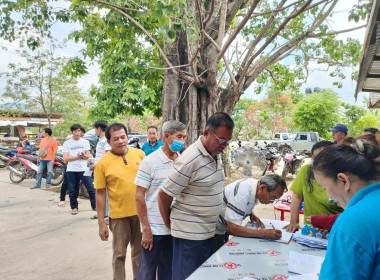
x=153 y=143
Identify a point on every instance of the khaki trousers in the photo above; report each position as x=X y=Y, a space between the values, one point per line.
x=125 y=231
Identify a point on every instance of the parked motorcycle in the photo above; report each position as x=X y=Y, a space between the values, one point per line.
x=293 y=163
x=272 y=157
x=25 y=167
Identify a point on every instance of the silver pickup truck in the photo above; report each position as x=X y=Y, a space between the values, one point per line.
x=300 y=141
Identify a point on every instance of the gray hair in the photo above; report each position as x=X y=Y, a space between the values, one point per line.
x=272 y=181
x=172 y=126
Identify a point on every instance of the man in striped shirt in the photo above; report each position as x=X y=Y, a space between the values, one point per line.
x=239 y=199
x=157 y=251
x=196 y=183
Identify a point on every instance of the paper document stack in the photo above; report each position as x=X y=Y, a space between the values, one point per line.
x=310 y=241
x=304 y=264
x=276 y=224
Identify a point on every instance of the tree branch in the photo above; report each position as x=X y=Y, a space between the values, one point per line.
x=222 y=23
x=224 y=58
x=270 y=39
x=199 y=45
x=237 y=30
x=119 y=9
x=261 y=35
x=167 y=68
x=209 y=15
x=270 y=72
x=291 y=44
x=141 y=7
x=313 y=35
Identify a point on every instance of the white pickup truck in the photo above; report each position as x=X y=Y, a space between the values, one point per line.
x=278 y=137
x=301 y=141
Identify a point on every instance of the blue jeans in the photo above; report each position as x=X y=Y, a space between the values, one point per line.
x=44 y=164
x=158 y=260
x=188 y=255
x=73 y=179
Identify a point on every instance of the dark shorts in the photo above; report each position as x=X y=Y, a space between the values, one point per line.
x=158 y=261
x=188 y=255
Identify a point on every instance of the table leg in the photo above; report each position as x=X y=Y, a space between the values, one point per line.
x=282 y=215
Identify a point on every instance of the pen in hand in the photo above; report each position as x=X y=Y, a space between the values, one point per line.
x=272 y=225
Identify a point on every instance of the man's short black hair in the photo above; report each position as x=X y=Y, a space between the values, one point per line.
x=82 y=129
x=371 y=130
x=152 y=126
x=220 y=119
x=75 y=127
x=48 y=131
x=102 y=124
x=115 y=127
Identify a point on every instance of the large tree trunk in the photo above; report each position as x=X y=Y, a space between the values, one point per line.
x=183 y=101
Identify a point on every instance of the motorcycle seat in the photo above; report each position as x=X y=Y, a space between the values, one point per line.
x=31 y=158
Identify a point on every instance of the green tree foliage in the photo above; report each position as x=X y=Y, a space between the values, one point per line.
x=370 y=119
x=317 y=112
x=40 y=84
x=212 y=51
x=351 y=115
x=238 y=116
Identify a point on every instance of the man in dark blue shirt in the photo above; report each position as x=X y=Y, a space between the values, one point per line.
x=153 y=143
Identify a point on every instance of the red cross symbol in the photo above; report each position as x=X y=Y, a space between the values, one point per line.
x=279 y=277
x=230 y=265
x=272 y=253
x=231 y=243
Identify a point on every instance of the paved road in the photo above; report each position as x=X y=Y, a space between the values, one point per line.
x=43 y=241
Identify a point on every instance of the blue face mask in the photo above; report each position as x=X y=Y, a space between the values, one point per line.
x=177 y=145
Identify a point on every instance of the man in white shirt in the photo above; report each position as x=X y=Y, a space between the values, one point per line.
x=157 y=251
x=76 y=152
x=101 y=148
x=239 y=199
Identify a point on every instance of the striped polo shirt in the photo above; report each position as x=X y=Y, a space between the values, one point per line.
x=239 y=198
x=196 y=183
x=153 y=171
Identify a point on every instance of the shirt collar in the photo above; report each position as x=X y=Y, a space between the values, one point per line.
x=253 y=191
x=203 y=150
x=163 y=157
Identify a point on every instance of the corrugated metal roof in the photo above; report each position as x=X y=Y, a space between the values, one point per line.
x=369 y=71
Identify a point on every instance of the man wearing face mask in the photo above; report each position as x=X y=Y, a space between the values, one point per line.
x=196 y=183
x=157 y=249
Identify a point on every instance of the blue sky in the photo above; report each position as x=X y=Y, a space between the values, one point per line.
x=316 y=78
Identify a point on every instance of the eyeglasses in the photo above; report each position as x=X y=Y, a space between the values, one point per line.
x=272 y=198
x=221 y=141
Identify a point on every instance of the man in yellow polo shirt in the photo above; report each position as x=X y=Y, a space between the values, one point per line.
x=115 y=173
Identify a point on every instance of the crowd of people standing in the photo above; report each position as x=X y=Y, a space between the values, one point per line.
x=169 y=204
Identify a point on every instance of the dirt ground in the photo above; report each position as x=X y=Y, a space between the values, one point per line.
x=44 y=241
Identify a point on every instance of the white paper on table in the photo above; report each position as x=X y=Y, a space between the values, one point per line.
x=304 y=263
x=277 y=224
x=307 y=276
x=247 y=278
x=87 y=172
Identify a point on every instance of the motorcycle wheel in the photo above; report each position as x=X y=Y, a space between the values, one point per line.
x=285 y=172
x=58 y=175
x=83 y=191
x=265 y=169
x=15 y=178
x=2 y=163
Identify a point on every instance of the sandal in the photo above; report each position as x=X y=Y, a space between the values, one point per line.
x=74 y=211
x=95 y=217
x=62 y=204
x=48 y=186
